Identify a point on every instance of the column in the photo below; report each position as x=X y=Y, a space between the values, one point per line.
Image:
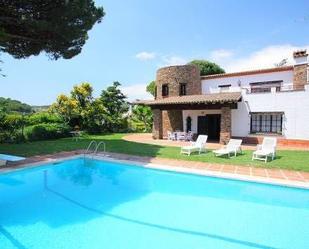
x=157 y=124
x=226 y=125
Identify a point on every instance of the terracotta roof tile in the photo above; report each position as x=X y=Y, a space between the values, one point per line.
x=195 y=99
x=258 y=71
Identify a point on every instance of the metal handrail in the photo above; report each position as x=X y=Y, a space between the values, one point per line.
x=99 y=144
x=89 y=146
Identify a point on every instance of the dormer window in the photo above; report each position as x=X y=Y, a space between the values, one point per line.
x=182 y=89
x=225 y=88
x=165 y=90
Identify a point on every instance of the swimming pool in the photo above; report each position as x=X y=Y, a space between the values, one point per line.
x=95 y=204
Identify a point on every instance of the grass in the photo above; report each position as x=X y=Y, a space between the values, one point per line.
x=294 y=160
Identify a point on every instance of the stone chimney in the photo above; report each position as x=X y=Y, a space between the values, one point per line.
x=300 y=77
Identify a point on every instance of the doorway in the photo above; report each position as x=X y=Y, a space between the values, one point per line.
x=209 y=125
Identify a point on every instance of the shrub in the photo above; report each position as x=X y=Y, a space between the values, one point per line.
x=10 y=128
x=43 y=117
x=6 y=137
x=46 y=131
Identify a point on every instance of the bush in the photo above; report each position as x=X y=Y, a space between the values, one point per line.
x=42 y=118
x=15 y=137
x=10 y=128
x=46 y=131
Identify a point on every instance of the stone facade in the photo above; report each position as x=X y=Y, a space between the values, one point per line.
x=300 y=76
x=173 y=76
x=226 y=125
x=172 y=121
x=157 y=132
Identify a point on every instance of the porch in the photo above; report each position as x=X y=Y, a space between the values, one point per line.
x=208 y=114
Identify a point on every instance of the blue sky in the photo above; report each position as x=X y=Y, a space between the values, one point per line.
x=137 y=37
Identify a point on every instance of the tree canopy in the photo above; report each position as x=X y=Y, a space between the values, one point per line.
x=151 y=88
x=10 y=105
x=207 y=67
x=142 y=117
x=116 y=106
x=74 y=109
x=58 y=27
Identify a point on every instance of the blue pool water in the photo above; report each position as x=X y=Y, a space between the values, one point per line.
x=98 y=204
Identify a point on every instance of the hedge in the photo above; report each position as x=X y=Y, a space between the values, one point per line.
x=46 y=131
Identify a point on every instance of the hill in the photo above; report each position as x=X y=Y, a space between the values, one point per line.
x=11 y=105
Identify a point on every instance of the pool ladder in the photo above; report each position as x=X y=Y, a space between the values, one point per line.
x=93 y=148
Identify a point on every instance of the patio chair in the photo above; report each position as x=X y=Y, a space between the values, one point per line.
x=171 y=135
x=2 y=162
x=199 y=145
x=266 y=149
x=181 y=136
x=189 y=136
x=233 y=147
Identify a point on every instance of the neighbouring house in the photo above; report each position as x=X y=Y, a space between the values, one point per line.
x=248 y=104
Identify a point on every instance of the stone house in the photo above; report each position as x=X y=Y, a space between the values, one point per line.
x=248 y=104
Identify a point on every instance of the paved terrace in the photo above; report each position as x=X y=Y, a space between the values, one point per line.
x=285 y=177
x=146 y=138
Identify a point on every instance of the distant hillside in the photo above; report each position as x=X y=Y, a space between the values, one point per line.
x=11 y=105
x=39 y=108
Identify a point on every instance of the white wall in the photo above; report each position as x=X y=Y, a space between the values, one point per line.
x=241 y=120
x=211 y=85
x=194 y=114
x=294 y=104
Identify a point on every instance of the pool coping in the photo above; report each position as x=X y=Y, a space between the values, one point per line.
x=158 y=164
x=170 y=168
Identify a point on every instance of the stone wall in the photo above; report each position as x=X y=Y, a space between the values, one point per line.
x=300 y=76
x=173 y=76
x=226 y=125
x=172 y=121
x=157 y=124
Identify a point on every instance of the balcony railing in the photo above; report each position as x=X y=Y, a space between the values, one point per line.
x=258 y=90
x=276 y=89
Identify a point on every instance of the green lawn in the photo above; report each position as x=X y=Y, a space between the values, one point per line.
x=297 y=160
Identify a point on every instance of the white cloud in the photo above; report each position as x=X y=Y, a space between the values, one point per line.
x=173 y=60
x=263 y=58
x=145 y=56
x=136 y=91
x=221 y=54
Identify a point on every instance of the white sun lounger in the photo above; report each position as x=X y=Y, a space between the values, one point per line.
x=198 y=146
x=2 y=162
x=266 y=149
x=233 y=147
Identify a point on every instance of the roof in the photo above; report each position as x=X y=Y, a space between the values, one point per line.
x=258 y=71
x=213 y=98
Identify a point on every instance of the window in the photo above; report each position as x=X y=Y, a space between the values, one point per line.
x=155 y=92
x=225 y=88
x=165 y=90
x=265 y=87
x=182 y=89
x=266 y=123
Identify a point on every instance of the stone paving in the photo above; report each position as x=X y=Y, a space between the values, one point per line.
x=288 y=177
